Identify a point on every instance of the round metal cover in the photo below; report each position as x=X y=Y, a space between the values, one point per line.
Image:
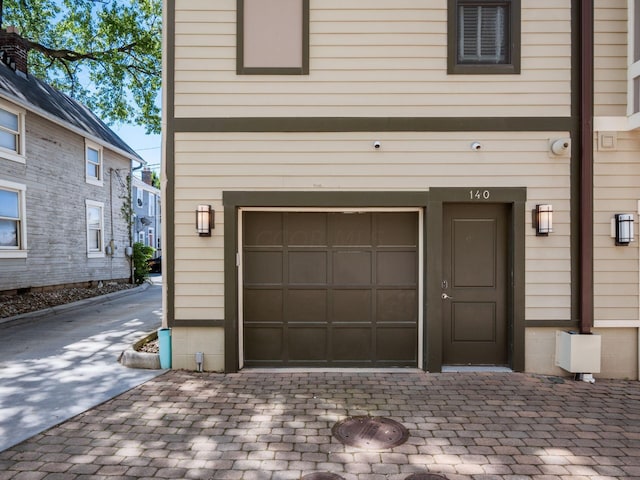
x=322 y=476
x=370 y=433
x=425 y=476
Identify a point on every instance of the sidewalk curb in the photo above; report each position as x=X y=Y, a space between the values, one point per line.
x=58 y=309
x=132 y=358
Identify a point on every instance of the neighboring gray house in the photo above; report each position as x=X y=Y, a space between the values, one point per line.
x=62 y=185
x=146 y=210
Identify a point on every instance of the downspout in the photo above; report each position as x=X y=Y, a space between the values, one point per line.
x=586 y=165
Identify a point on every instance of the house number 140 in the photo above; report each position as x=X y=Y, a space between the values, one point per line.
x=479 y=194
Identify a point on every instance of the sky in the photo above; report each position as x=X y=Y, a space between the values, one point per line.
x=147 y=146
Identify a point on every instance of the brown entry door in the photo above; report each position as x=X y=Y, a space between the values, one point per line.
x=474 y=287
x=330 y=288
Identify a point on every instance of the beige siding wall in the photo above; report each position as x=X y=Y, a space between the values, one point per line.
x=374 y=58
x=610 y=58
x=209 y=163
x=617 y=190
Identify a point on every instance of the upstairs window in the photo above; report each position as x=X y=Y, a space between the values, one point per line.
x=139 y=196
x=93 y=154
x=11 y=134
x=484 y=36
x=273 y=37
x=13 y=235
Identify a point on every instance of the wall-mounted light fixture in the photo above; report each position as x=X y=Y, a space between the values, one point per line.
x=624 y=228
x=204 y=220
x=543 y=220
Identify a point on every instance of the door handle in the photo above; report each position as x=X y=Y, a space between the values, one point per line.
x=446 y=297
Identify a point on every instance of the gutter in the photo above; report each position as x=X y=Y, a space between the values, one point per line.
x=586 y=166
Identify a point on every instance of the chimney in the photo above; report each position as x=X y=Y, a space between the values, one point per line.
x=13 y=49
x=146 y=176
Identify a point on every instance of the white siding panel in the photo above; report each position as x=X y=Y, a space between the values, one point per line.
x=209 y=163
x=367 y=59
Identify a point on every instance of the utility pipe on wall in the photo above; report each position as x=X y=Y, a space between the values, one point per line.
x=586 y=165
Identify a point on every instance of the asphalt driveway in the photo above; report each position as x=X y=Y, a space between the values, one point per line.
x=55 y=366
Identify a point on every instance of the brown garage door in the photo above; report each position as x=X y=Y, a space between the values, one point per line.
x=330 y=289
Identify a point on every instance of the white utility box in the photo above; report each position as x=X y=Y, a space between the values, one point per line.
x=578 y=353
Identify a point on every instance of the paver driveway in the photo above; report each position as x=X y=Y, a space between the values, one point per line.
x=277 y=425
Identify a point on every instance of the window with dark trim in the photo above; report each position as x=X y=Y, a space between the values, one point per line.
x=273 y=37
x=484 y=36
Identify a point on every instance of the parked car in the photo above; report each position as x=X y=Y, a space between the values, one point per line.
x=155 y=264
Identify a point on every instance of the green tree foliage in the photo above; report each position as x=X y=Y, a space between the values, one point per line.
x=106 y=54
x=155 y=180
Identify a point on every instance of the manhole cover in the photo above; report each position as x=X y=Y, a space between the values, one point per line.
x=322 y=476
x=370 y=433
x=425 y=476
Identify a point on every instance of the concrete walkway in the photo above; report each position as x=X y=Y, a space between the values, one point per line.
x=55 y=366
x=267 y=425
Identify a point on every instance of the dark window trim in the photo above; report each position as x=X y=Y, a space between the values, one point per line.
x=514 y=42
x=242 y=70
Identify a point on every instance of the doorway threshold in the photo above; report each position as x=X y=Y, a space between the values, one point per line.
x=475 y=369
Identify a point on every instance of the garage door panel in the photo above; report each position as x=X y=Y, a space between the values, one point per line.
x=351 y=306
x=266 y=343
x=351 y=343
x=396 y=305
x=305 y=229
x=263 y=267
x=397 y=268
x=352 y=268
x=306 y=305
x=263 y=305
x=263 y=229
x=397 y=344
x=307 y=267
x=398 y=229
x=350 y=229
x=307 y=343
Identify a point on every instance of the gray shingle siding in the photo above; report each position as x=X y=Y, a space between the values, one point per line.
x=54 y=174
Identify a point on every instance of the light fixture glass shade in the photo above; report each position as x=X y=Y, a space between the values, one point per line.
x=624 y=228
x=204 y=220
x=544 y=219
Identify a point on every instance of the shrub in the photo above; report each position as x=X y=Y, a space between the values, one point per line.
x=141 y=254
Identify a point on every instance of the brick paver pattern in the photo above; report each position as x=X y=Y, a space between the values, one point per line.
x=263 y=426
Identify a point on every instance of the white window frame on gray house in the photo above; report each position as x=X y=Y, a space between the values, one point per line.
x=13 y=214
x=93 y=163
x=152 y=204
x=142 y=237
x=139 y=197
x=12 y=133
x=95 y=229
